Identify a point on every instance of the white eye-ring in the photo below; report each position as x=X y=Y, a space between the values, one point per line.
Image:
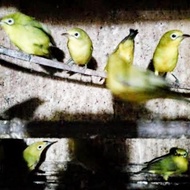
x=10 y=21
x=77 y=34
x=40 y=147
x=173 y=36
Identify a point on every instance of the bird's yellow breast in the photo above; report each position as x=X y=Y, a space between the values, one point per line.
x=126 y=51
x=165 y=59
x=80 y=51
x=182 y=163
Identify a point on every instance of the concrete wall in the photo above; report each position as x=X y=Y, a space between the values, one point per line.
x=107 y=22
x=31 y=94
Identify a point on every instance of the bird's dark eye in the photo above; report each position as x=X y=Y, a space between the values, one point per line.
x=76 y=34
x=173 y=36
x=185 y=155
x=10 y=21
x=39 y=147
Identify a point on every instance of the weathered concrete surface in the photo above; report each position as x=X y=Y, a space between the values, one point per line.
x=72 y=99
x=28 y=95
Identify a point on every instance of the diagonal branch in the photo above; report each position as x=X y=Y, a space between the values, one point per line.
x=50 y=63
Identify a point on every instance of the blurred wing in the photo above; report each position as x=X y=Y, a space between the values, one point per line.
x=142 y=79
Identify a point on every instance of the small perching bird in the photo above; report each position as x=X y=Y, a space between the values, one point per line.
x=134 y=84
x=173 y=163
x=32 y=154
x=166 y=54
x=28 y=34
x=125 y=49
x=79 y=45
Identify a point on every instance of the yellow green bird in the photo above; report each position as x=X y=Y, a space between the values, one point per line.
x=173 y=163
x=134 y=84
x=33 y=152
x=28 y=34
x=79 y=45
x=166 y=54
x=125 y=49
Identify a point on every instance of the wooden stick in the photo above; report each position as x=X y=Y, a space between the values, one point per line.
x=50 y=63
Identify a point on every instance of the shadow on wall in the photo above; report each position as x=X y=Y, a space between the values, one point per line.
x=54 y=74
x=96 y=165
x=14 y=169
x=124 y=123
x=71 y=11
x=24 y=110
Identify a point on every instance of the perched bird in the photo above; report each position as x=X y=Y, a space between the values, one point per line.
x=131 y=83
x=28 y=34
x=32 y=154
x=165 y=56
x=173 y=163
x=79 y=45
x=125 y=49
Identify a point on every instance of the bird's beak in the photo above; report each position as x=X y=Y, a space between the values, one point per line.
x=65 y=34
x=186 y=35
x=50 y=143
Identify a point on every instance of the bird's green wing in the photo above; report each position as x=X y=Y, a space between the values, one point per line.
x=43 y=28
x=163 y=165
